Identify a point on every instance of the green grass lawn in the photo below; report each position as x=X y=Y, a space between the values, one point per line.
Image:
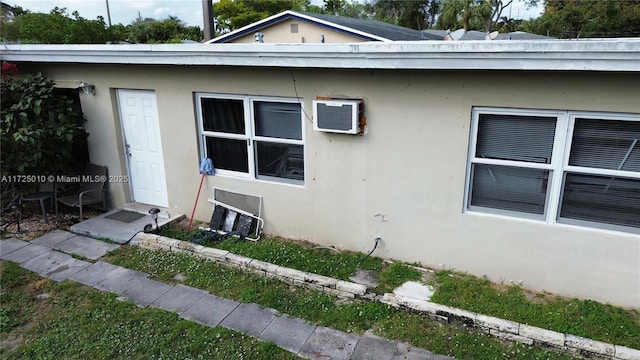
x=323 y=309
x=571 y=316
x=585 y=318
x=42 y=319
x=322 y=261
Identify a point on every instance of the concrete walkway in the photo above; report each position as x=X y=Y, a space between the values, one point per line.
x=49 y=256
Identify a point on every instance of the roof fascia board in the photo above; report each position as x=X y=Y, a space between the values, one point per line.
x=289 y=14
x=551 y=55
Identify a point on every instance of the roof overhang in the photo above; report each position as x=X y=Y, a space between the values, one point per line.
x=546 y=55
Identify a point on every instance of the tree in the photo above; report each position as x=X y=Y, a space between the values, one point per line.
x=414 y=14
x=344 y=8
x=333 y=7
x=481 y=15
x=6 y=11
x=39 y=128
x=7 y=14
x=231 y=15
x=57 y=27
x=588 y=18
x=498 y=7
x=169 y=30
x=507 y=25
x=458 y=14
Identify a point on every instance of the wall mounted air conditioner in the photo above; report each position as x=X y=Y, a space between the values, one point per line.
x=337 y=116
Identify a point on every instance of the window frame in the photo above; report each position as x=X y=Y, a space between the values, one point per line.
x=558 y=166
x=249 y=136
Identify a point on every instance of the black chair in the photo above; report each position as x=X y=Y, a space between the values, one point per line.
x=91 y=189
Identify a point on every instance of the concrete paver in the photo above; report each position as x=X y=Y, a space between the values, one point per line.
x=45 y=262
x=179 y=298
x=11 y=245
x=86 y=247
x=50 y=239
x=25 y=253
x=327 y=343
x=249 y=318
x=94 y=273
x=372 y=347
x=292 y=334
x=54 y=265
x=66 y=269
x=288 y=333
x=120 y=280
x=210 y=310
x=146 y=291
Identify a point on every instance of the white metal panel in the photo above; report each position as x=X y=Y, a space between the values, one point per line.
x=618 y=54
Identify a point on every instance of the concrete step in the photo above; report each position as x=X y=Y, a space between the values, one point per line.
x=101 y=227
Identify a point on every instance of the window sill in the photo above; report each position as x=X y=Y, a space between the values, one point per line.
x=590 y=228
x=264 y=180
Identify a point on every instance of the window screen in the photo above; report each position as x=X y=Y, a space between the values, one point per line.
x=592 y=177
x=223 y=115
x=608 y=200
x=509 y=188
x=519 y=138
x=606 y=144
x=228 y=154
x=277 y=120
x=280 y=160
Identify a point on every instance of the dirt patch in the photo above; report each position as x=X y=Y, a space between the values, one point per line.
x=537 y=298
x=12 y=341
x=32 y=226
x=534 y=297
x=34 y=287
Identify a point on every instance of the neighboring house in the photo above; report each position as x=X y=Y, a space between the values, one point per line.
x=518 y=160
x=303 y=27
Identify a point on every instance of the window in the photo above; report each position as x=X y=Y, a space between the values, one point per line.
x=294 y=28
x=253 y=137
x=556 y=166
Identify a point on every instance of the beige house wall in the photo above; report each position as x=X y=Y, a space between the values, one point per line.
x=404 y=181
x=307 y=33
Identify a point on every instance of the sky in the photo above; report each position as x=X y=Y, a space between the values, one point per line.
x=189 y=11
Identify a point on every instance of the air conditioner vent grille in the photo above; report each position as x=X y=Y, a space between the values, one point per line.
x=339 y=116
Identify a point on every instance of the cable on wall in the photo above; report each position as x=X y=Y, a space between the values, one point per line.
x=295 y=89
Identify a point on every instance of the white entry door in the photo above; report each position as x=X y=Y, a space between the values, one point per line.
x=143 y=148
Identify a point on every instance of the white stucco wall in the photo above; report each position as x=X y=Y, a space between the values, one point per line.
x=410 y=167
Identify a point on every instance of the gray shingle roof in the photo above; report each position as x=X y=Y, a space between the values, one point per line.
x=374 y=27
x=521 y=35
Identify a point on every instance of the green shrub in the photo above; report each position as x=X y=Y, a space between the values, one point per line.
x=39 y=130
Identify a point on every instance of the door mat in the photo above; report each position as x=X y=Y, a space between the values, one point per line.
x=125 y=216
